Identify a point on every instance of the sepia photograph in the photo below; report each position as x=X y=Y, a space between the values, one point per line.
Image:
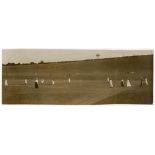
x=77 y=77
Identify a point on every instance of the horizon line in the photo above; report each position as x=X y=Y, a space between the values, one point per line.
x=39 y=62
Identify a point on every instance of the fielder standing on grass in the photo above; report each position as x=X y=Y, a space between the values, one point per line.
x=108 y=79
x=69 y=79
x=6 y=82
x=141 y=82
x=111 y=83
x=53 y=82
x=128 y=84
x=25 y=81
x=42 y=81
x=146 y=81
x=122 y=83
x=36 y=83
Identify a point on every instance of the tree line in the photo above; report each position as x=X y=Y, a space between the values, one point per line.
x=31 y=63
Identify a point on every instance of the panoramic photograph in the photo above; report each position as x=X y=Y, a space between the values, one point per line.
x=77 y=76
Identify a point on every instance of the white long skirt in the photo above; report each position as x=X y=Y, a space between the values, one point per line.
x=146 y=81
x=128 y=84
x=53 y=82
x=69 y=80
x=108 y=79
x=6 y=83
x=37 y=81
x=42 y=81
x=111 y=83
x=25 y=81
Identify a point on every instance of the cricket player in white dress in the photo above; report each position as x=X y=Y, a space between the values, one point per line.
x=69 y=80
x=25 y=81
x=111 y=83
x=53 y=82
x=146 y=82
x=128 y=84
x=6 y=83
x=108 y=79
x=42 y=81
x=37 y=80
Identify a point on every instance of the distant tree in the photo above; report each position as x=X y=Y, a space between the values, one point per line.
x=97 y=55
x=41 y=62
x=11 y=64
x=32 y=63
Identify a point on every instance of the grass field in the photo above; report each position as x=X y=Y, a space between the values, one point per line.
x=88 y=82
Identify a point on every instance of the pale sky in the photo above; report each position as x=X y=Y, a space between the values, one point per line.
x=54 y=55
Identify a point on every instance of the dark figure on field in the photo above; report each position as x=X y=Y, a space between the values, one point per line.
x=36 y=83
x=141 y=82
x=122 y=83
